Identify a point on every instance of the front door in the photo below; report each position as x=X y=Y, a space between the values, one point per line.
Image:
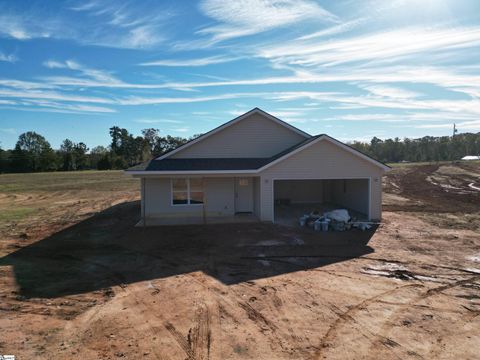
x=244 y=195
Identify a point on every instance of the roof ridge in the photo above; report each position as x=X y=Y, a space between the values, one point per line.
x=234 y=120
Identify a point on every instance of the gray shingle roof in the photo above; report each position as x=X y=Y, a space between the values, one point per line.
x=209 y=164
x=202 y=164
x=220 y=164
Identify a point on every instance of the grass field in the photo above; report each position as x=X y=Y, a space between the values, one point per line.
x=79 y=281
x=91 y=180
x=43 y=202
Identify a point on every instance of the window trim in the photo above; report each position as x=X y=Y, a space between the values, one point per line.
x=188 y=192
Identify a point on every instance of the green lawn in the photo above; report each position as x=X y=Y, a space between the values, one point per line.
x=62 y=180
x=16 y=214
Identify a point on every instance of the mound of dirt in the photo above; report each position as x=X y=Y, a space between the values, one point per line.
x=435 y=188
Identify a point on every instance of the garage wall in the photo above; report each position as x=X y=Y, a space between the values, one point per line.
x=351 y=193
x=299 y=191
x=219 y=195
x=322 y=160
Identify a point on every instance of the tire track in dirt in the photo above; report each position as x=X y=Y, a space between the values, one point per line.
x=196 y=344
x=139 y=304
x=347 y=317
x=396 y=315
x=263 y=323
x=200 y=336
x=452 y=331
x=180 y=340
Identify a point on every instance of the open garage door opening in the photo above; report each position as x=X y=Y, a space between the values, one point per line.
x=294 y=198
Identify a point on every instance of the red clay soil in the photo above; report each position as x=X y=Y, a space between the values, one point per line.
x=453 y=194
x=99 y=288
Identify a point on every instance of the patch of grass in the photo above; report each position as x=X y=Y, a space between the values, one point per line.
x=453 y=220
x=16 y=214
x=113 y=180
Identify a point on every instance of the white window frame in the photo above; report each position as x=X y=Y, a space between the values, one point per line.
x=188 y=193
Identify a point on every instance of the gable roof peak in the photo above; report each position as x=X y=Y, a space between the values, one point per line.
x=232 y=122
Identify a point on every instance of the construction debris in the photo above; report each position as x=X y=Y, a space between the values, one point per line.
x=335 y=220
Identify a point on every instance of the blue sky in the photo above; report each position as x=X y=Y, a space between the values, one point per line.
x=351 y=69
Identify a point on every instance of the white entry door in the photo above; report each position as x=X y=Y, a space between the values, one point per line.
x=244 y=195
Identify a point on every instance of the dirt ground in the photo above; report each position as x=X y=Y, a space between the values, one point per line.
x=79 y=281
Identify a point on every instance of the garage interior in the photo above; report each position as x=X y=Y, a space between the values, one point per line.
x=294 y=198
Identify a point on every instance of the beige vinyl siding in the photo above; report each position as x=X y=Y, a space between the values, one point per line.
x=321 y=160
x=254 y=136
x=218 y=197
x=257 y=196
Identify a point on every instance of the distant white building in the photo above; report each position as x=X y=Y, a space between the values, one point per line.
x=471 y=157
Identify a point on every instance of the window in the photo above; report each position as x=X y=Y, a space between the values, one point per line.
x=179 y=191
x=187 y=191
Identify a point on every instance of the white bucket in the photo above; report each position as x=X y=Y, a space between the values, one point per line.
x=317 y=226
x=324 y=225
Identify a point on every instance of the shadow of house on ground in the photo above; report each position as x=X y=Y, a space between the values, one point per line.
x=107 y=250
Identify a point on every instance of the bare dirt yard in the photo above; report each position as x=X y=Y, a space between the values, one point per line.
x=79 y=281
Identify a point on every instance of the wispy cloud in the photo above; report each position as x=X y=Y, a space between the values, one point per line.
x=191 y=62
x=157 y=121
x=10 y=131
x=14 y=26
x=435 y=116
x=72 y=108
x=20 y=84
x=446 y=105
x=137 y=26
x=8 y=58
x=391 y=92
x=180 y=129
x=334 y=30
x=52 y=95
x=242 y=18
x=100 y=76
x=372 y=47
x=7 y=102
x=105 y=23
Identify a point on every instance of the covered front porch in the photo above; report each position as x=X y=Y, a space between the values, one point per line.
x=200 y=200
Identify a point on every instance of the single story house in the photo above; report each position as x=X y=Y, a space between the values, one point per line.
x=257 y=166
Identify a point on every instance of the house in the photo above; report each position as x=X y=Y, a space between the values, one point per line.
x=258 y=167
x=471 y=157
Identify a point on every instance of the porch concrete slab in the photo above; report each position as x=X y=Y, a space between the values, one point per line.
x=198 y=220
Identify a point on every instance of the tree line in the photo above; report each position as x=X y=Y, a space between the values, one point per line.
x=427 y=148
x=33 y=153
